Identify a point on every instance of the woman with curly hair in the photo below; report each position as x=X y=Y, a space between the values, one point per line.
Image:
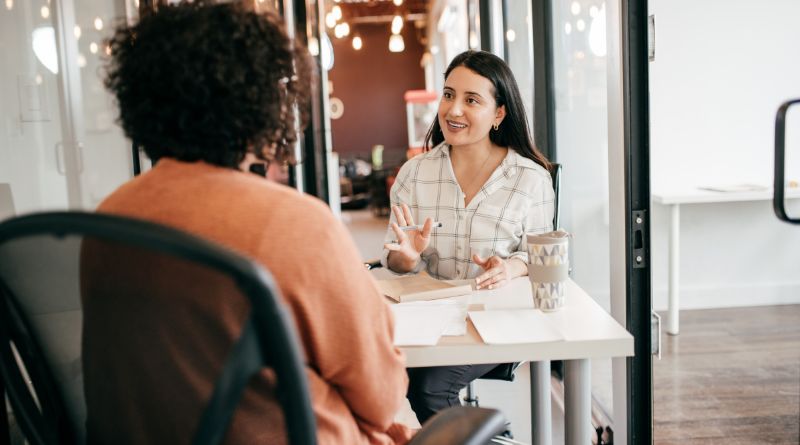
x=201 y=88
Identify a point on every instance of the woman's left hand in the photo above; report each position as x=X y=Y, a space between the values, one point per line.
x=497 y=273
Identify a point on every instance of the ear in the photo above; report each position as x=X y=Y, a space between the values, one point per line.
x=500 y=114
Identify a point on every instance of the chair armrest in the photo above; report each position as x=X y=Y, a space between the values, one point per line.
x=462 y=425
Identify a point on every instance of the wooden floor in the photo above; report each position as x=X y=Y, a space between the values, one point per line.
x=732 y=376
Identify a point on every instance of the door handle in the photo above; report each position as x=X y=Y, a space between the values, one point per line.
x=778 y=191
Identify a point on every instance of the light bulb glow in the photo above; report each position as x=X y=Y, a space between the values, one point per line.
x=337 y=12
x=580 y=24
x=98 y=23
x=357 y=43
x=45 y=12
x=567 y=28
x=77 y=32
x=9 y=4
x=330 y=20
x=575 y=8
x=511 y=35
x=398 y=2
x=93 y=48
x=396 y=43
x=397 y=24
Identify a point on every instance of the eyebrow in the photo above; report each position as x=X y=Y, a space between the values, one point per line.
x=467 y=92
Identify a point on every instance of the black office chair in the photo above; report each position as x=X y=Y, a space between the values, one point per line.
x=57 y=269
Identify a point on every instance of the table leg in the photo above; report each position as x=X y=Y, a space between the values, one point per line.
x=577 y=402
x=673 y=326
x=541 y=417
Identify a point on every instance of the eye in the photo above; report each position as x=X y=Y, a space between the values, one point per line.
x=447 y=95
x=472 y=101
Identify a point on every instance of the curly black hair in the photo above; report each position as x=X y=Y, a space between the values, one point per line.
x=210 y=82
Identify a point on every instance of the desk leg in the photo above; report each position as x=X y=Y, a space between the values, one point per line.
x=577 y=402
x=673 y=327
x=541 y=417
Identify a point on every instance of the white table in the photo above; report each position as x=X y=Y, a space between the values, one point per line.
x=673 y=199
x=588 y=331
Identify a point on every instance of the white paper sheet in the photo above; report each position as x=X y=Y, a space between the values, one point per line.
x=421 y=323
x=498 y=327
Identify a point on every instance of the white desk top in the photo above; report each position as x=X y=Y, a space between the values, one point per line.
x=697 y=196
x=589 y=332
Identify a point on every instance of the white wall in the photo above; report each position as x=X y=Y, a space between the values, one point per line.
x=721 y=70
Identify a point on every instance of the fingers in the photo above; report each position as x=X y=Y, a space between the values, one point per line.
x=478 y=260
x=392 y=246
x=407 y=214
x=398 y=215
x=401 y=236
x=427 y=227
x=495 y=276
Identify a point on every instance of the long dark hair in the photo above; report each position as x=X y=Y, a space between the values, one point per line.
x=513 y=131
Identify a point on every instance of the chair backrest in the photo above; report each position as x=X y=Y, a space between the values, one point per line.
x=555 y=174
x=84 y=296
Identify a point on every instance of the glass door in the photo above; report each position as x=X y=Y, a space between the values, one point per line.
x=59 y=144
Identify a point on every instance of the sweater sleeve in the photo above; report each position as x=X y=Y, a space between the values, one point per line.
x=345 y=324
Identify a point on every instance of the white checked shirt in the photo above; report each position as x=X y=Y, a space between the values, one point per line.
x=517 y=199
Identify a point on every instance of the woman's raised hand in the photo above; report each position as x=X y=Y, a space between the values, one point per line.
x=409 y=243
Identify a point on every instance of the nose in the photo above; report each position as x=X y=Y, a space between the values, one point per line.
x=455 y=110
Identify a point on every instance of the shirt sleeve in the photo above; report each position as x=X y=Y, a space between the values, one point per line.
x=539 y=217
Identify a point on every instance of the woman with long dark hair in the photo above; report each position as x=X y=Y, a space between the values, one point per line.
x=484 y=181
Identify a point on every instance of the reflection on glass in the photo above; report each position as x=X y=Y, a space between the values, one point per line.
x=44 y=47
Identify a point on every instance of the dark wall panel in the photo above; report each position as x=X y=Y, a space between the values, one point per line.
x=371 y=83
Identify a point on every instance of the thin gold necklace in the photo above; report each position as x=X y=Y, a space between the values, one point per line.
x=477 y=173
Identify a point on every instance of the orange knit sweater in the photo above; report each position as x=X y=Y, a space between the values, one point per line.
x=356 y=376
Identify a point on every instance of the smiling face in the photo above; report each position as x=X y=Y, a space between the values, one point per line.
x=468 y=110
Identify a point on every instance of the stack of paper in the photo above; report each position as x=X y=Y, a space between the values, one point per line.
x=514 y=326
x=422 y=323
x=420 y=287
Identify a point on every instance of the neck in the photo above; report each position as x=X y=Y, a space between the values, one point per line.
x=472 y=153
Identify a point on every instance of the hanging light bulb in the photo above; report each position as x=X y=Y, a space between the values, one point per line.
x=93 y=48
x=9 y=4
x=341 y=30
x=396 y=43
x=357 y=43
x=45 y=11
x=98 y=23
x=398 y=2
x=337 y=12
x=77 y=32
x=330 y=20
x=397 y=24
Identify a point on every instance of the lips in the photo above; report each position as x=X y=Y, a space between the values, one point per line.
x=455 y=125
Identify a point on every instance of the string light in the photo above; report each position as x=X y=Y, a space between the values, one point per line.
x=357 y=43
x=397 y=24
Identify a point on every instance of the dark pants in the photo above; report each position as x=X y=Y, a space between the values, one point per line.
x=435 y=388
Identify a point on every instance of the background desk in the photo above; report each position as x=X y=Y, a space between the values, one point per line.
x=673 y=199
x=588 y=330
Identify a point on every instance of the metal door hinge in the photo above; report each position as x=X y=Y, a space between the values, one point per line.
x=638 y=239
x=651 y=38
x=655 y=334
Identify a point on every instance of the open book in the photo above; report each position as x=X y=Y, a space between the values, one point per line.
x=420 y=287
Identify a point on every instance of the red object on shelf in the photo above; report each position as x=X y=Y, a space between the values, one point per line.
x=420 y=96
